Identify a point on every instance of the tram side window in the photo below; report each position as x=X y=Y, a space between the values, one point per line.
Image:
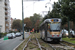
x=45 y=26
x=42 y=27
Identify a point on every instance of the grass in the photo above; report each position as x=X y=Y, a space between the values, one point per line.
x=38 y=49
x=71 y=40
x=31 y=46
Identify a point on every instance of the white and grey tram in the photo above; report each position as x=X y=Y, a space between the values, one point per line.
x=50 y=29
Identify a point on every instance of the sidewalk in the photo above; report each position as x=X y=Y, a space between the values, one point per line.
x=1 y=40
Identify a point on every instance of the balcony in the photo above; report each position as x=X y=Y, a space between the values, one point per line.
x=6 y=20
x=6 y=7
x=6 y=3
x=6 y=16
x=6 y=11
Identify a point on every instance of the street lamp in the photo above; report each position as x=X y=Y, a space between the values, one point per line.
x=49 y=8
x=22 y=20
x=46 y=6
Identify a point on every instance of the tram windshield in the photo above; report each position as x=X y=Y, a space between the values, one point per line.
x=54 y=26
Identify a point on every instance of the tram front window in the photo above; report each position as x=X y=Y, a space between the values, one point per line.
x=54 y=26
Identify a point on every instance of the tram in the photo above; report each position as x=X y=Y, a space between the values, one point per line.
x=50 y=30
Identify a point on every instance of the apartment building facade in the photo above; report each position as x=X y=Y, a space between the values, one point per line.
x=5 y=16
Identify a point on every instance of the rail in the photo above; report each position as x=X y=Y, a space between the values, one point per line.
x=26 y=44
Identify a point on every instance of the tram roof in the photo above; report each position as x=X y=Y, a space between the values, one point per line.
x=49 y=20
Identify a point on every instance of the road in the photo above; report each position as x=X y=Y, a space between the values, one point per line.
x=10 y=44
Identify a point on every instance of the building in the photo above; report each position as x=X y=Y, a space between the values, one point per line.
x=5 y=16
x=11 y=23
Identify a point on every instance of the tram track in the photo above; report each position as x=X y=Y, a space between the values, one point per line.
x=61 y=46
x=26 y=44
x=33 y=44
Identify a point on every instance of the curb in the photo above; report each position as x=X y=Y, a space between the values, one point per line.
x=18 y=45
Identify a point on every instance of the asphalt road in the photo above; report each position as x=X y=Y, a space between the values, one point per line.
x=10 y=44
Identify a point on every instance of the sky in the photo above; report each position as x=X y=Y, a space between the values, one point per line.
x=30 y=7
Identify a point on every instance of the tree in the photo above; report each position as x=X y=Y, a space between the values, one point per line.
x=68 y=8
x=64 y=21
x=34 y=19
x=17 y=24
x=28 y=23
x=55 y=13
x=37 y=25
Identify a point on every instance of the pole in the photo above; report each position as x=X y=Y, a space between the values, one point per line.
x=69 y=27
x=49 y=10
x=22 y=20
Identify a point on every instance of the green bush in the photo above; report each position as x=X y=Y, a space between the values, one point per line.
x=2 y=34
x=13 y=31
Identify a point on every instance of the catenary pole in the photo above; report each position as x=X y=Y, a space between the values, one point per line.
x=22 y=20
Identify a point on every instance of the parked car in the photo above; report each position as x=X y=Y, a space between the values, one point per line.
x=21 y=33
x=64 y=32
x=18 y=34
x=25 y=32
x=13 y=35
x=10 y=36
